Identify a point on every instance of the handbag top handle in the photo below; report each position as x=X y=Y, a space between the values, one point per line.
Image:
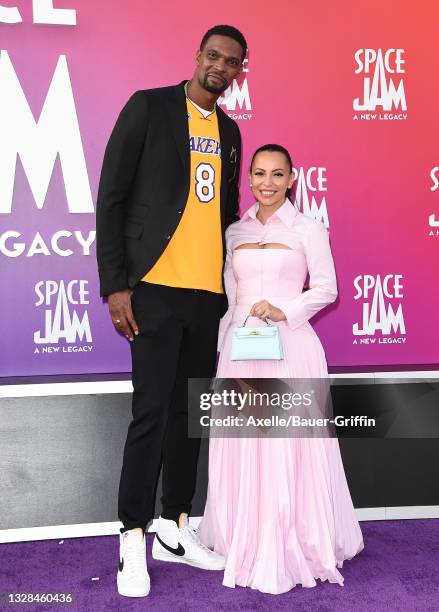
x=265 y=320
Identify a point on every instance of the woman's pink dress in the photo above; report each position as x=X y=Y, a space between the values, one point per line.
x=279 y=509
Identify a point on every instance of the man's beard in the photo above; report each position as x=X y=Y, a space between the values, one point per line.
x=215 y=89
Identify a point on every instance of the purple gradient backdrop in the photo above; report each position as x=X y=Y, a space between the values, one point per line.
x=302 y=82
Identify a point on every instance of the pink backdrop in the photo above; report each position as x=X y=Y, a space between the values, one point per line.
x=377 y=166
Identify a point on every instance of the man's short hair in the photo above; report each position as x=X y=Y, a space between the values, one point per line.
x=225 y=30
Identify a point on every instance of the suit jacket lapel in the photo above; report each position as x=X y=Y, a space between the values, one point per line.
x=225 y=153
x=177 y=111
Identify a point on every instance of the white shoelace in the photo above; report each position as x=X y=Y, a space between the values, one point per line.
x=134 y=558
x=194 y=537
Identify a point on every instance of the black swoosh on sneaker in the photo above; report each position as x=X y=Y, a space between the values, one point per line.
x=121 y=565
x=179 y=551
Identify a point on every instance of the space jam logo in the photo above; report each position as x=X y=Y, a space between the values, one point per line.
x=380 y=312
x=66 y=322
x=311 y=193
x=433 y=219
x=383 y=88
x=236 y=98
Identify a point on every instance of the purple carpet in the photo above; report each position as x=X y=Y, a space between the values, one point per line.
x=398 y=570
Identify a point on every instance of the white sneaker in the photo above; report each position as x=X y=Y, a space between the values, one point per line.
x=182 y=545
x=132 y=576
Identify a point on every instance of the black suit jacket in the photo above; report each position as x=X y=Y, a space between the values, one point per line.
x=145 y=183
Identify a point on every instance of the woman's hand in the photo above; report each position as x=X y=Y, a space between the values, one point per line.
x=265 y=310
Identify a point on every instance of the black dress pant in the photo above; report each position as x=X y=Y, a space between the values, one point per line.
x=177 y=340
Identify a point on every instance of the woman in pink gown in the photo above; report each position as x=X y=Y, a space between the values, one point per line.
x=279 y=510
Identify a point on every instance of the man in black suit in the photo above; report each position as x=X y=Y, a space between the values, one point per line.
x=168 y=190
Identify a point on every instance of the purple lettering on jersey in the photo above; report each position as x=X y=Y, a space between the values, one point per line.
x=218 y=148
x=208 y=146
x=201 y=143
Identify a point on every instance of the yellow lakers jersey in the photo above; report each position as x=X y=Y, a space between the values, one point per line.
x=194 y=256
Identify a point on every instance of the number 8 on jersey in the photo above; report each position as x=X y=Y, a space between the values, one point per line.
x=204 y=182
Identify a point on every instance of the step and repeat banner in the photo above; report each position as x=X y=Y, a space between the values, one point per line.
x=350 y=90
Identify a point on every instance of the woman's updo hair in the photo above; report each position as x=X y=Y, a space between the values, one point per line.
x=275 y=148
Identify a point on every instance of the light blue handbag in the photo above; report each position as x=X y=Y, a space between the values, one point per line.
x=256 y=342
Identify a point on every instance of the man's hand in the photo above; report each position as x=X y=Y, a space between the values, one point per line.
x=119 y=305
x=265 y=310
